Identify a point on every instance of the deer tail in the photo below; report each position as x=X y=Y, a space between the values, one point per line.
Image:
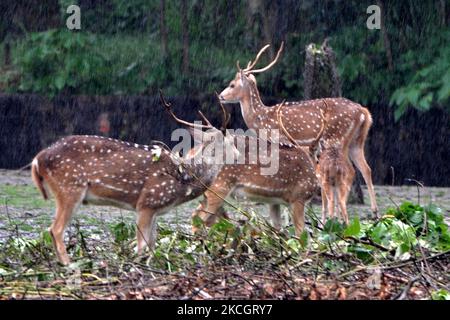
x=37 y=178
x=366 y=119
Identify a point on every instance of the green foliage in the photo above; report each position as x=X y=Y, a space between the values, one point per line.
x=114 y=16
x=59 y=60
x=353 y=229
x=331 y=230
x=428 y=223
x=118 y=50
x=441 y=294
x=335 y=249
x=123 y=232
x=398 y=233
x=429 y=86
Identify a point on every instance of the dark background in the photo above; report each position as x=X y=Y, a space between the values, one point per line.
x=55 y=82
x=415 y=146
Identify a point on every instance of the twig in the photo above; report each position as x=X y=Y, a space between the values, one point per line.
x=404 y=293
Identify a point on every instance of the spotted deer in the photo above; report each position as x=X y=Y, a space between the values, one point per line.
x=103 y=171
x=344 y=120
x=294 y=184
x=336 y=175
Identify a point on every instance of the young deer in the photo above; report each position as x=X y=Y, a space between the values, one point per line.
x=294 y=185
x=336 y=176
x=346 y=121
x=102 y=171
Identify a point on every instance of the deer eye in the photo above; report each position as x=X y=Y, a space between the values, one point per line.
x=232 y=85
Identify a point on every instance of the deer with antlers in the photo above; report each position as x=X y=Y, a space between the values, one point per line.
x=333 y=169
x=342 y=120
x=103 y=171
x=294 y=184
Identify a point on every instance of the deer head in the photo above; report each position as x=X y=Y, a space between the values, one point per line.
x=241 y=84
x=211 y=144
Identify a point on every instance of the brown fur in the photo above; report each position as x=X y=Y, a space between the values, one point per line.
x=37 y=179
x=336 y=176
x=294 y=184
x=103 y=171
x=345 y=120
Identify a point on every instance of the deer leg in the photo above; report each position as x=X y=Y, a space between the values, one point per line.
x=65 y=207
x=298 y=217
x=145 y=230
x=329 y=195
x=357 y=156
x=210 y=210
x=275 y=215
x=342 y=192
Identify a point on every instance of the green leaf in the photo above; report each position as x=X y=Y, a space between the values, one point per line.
x=333 y=226
x=444 y=92
x=353 y=228
x=425 y=102
x=59 y=82
x=46 y=238
x=399 y=112
x=402 y=252
x=304 y=239
x=363 y=253
x=440 y=294
x=197 y=222
x=223 y=226
x=294 y=244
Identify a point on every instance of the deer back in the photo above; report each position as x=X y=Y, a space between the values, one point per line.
x=115 y=172
x=294 y=179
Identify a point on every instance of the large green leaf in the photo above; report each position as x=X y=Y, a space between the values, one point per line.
x=353 y=228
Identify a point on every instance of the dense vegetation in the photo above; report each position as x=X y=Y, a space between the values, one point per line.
x=190 y=47
x=400 y=256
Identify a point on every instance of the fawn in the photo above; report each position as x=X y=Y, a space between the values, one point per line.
x=336 y=175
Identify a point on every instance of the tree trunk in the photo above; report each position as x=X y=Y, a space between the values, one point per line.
x=7 y=54
x=321 y=80
x=443 y=14
x=163 y=29
x=185 y=31
x=384 y=34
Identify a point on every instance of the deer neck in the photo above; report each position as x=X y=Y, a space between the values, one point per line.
x=251 y=106
x=201 y=174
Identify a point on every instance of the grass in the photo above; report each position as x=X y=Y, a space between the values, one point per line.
x=25 y=196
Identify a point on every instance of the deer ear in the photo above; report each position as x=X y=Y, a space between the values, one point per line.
x=245 y=79
x=252 y=78
x=241 y=78
x=196 y=134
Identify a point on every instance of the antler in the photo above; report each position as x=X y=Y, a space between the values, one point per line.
x=226 y=115
x=270 y=65
x=285 y=132
x=168 y=107
x=238 y=66
x=250 y=64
